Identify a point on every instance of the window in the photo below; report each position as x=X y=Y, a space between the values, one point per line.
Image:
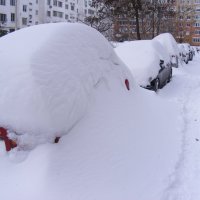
x=3 y=17
x=57 y=14
x=48 y=2
x=196 y=40
x=197 y=24
x=24 y=8
x=66 y=6
x=72 y=16
x=30 y=16
x=66 y=16
x=24 y=21
x=12 y=17
x=90 y=3
x=187 y=33
x=60 y=14
x=48 y=13
x=3 y=2
x=197 y=32
x=36 y=23
x=91 y=12
x=36 y=1
x=72 y=6
x=54 y=13
x=55 y=2
x=197 y=17
x=59 y=4
x=36 y=12
x=12 y=2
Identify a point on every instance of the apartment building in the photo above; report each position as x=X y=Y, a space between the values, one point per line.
x=16 y=14
x=196 y=25
x=188 y=21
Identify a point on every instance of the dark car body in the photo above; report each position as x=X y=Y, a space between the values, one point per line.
x=164 y=76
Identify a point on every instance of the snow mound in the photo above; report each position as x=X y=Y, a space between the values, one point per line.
x=48 y=74
x=168 y=41
x=142 y=58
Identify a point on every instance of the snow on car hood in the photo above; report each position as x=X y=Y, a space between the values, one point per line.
x=49 y=72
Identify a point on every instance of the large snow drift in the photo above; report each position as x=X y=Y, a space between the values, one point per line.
x=142 y=58
x=48 y=73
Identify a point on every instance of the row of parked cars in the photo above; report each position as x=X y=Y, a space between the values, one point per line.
x=151 y=61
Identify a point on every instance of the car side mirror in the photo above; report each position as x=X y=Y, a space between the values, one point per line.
x=162 y=64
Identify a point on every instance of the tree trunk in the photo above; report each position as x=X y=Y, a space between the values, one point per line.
x=137 y=23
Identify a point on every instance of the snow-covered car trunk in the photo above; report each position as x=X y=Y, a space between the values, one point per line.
x=54 y=70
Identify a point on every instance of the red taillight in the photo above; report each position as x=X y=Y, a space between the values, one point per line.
x=127 y=84
x=9 y=144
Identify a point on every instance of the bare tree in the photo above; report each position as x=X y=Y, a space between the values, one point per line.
x=131 y=19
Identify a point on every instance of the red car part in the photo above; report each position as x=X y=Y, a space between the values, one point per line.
x=9 y=144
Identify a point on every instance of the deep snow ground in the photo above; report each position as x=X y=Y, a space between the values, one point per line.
x=110 y=156
x=185 y=89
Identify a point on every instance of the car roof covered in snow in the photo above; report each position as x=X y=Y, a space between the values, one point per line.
x=143 y=58
x=47 y=74
x=186 y=46
x=168 y=41
x=181 y=48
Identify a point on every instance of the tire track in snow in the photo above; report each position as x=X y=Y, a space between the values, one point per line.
x=185 y=181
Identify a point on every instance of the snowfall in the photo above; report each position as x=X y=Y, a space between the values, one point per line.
x=116 y=144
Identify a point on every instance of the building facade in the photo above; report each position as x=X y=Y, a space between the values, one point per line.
x=17 y=14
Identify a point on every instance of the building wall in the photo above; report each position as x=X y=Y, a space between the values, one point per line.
x=7 y=9
x=196 y=26
x=33 y=12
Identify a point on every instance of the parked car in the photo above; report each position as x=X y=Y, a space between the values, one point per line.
x=193 y=50
x=169 y=43
x=197 y=49
x=148 y=61
x=188 y=50
x=49 y=80
x=184 y=56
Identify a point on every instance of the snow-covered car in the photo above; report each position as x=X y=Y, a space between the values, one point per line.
x=193 y=50
x=188 y=51
x=168 y=41
x=197 y=49
x=184 y=56
x=148 y=61
x=54 y=70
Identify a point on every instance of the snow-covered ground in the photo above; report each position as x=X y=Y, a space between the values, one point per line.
x=128 y=145
x=185 y=90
